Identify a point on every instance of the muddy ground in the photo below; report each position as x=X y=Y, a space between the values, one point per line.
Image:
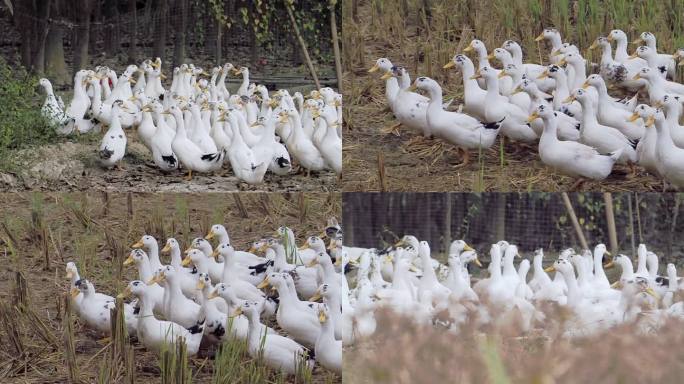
x=404 y=160
x=76 y=224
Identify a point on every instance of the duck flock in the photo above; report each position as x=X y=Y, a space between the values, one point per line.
x=198 y=125
x=215 y=295
x=578 y=300
x=580 y=129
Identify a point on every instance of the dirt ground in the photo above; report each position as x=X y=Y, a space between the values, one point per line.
x=374 y=161
x=71 y=165
x=76 y=224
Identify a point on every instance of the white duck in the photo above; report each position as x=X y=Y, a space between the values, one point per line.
x=51 y=110
x=662 y=59
x=113 y=144
x=155 y=334
x=570 y=157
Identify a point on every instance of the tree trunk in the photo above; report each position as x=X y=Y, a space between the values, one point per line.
x=38 y=65
x=160 y=31
x=96 y=31
x=111 y=46
x=336 y=44
x=133 y=49
x=84 y=9
x=181 y=32
x=24 y=23
x=55 y=65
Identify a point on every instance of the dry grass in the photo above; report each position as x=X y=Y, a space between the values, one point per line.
x=423 y=39
x=95 y=230
x=402 y=352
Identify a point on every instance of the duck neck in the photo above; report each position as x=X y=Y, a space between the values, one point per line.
x=469 y=85
x=516 y=55
x=653 y=267
x=176 y=257
x=580 y=74
x=606 y=54
x=573 y=289
x=598 y=266
x=482 y=57
x=588 y=114
x=153 y=254
x=146 y=306
x=627 y=270
x=664 y=141
x=549 y=135
x=621 y=49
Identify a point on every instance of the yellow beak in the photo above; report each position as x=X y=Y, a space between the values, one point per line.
x=650 y=121
x=633 y=56
x=412 y=88
x=517 y=89
x=544 y=75
x=594 y=45
x=534 y=116
x=638 y=41
x=213 y=294
x=139 y=244
x=610 y=38
x=74 y=292
x=491 y=56
x=312 y=263
x=69 y=274
x=585 y=85
x=187 y=261
x=569 y=99
x=562 y=62
x=321 y=317
x=263 y=284
x=167 y=248
x=448 y=65
x=651 y=292
x=374 y=68
x=126 y=293
x=316 y=296
x=550 y=269
x=502 y=74
x=237 y=312
x=468 y=49
x=129 y=260
x=477 y=75
x=540 y=37
x=609 y=265
x=637 y=77
x=386 y=76
x=154 y=280
x=633 y=117
x=215 y=254
x=555 y=52
x=477 y=262
x=209 y=235
x=200 y=284
x=467 y=248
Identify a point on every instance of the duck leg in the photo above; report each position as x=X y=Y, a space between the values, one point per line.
x=466 y=158
x=189 y=178
x=577 y=184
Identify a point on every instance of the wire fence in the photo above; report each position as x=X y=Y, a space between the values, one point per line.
x=530 y=220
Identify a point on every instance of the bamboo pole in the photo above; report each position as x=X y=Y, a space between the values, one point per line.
x=631 y=222
x=302 y=43
x=336 y=44
x=447 y=223
x=573 y=218
x=610 y=220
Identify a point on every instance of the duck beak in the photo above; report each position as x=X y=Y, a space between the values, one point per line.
x=316 y=296
x=263 y=284
x=610 y=38
x=139 y=244
x=616 y=285
x=468 y=49
x=129 y=260
x=154 y=280
x=532 y=117
x=609 y=265
x=540 y=37
x=633 y=56
x=562 y=62
x=467 y=248
x=477 y=75
x=74 y=292
x=550 y=269
x=448 y=65
x=544 y=75
x=651 y=292
x=585 y=85
x=312 y=263
x=69 y=274
x=126 y=293
x=321 y=317
x=215 y=254
x=491 y=56
x=167 y=248
x=637 y=77
x=186 y=261
x=412 y=88
x=650 y=121
x=633 y=117
x=210 y=235
x=569 y=99
x=594 y=45
x=502 y=74
x=477 y=262
x=386 y=76
x=338 y=262
x=638 y=41
x=374 y=68
x=213 y=294
x=200 y=284
x=237 y=312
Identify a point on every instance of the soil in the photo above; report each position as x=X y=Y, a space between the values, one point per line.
x=77 y=223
